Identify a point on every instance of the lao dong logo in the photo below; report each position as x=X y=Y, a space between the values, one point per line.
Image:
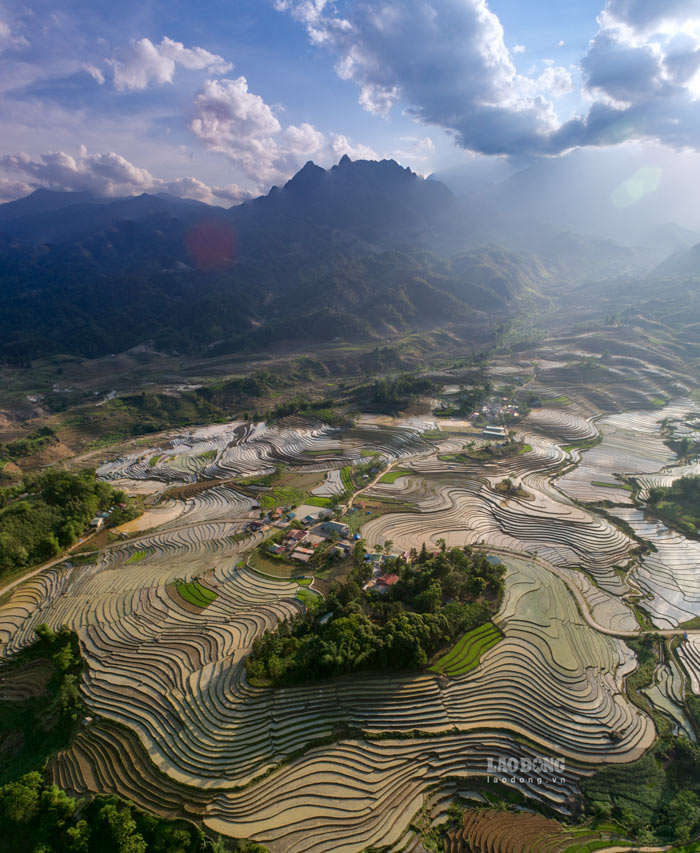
x=533 y=770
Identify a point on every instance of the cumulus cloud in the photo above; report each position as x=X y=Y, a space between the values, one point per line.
x=233 y=121
x=458 y=74
x=650 y=15
x=104 y=174
x=143 y=63
x=641 y=72
x=10 y=189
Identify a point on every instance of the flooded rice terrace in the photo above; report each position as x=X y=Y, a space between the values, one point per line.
x=167 y=679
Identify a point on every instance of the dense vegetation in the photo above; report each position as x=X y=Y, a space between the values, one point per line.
x=395 y=394
x=35 y=442
x=655 y=799
x=92 y=279
x=487 y=451
x=48 y=511
x=679 y=503
x=436 y=599
x=32 y=729
x=40 y=818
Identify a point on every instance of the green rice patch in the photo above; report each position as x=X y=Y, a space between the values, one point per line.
x=346 y=478
x=317 y=501
x=307 y=597
x=153 y=461
x=136 y=557
x=279 y=497
x=194 y=593
x=391 y=476
x=624 y=486
x=467 y=651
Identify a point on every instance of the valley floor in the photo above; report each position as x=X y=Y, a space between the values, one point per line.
x=167 y=615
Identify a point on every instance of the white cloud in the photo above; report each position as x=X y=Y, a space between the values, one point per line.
x=8 y=39
x=561 y=43
x=650 y=16
x=10 y=189
x=233 y=121
x=641 y=72
x=143 y=63
x=458 y=72
x=106 y=174
x=518 y=48
x=95 y=73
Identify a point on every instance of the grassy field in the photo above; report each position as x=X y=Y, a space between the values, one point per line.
x=391 y=476
x=291 y=488
x=277 y=568
x=374 y=507
x=194 y=593
x=467 y=651
x=307 y=597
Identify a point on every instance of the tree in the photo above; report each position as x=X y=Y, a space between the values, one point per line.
x=20 y=800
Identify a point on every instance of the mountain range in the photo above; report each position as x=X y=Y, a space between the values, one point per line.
x=357 y=251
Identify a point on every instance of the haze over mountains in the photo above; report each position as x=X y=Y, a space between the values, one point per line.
x=356 y=251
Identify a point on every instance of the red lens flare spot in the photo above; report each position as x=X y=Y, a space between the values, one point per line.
x=212 y=245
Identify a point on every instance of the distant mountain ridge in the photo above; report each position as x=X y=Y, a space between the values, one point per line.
x=354 y=250
x=685 y=262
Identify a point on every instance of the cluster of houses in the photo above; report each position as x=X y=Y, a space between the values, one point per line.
x=317 y=526
x=497 y=409
x=99 y=521
x=301 y=543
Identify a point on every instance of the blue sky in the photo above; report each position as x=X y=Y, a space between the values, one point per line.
x=220 y=100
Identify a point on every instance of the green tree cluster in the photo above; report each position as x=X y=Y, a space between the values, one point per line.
x=436 y=598
x=47 y=512
x=679 y=503
x=40 y=818
x=396 y=393
x=39 y=725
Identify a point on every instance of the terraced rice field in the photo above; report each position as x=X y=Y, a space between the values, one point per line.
x=459 y=502
x=466 y=652
x=669 y=577
x=245 y=449
x=631 y=444
x=181 y=731
x=495 y=831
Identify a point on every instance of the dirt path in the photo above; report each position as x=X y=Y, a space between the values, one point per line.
x=42 y=568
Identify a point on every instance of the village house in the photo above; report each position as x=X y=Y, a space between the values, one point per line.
x=336 y=527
